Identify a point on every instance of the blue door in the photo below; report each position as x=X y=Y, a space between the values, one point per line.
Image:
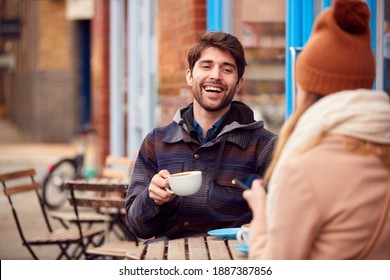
x=85 y=72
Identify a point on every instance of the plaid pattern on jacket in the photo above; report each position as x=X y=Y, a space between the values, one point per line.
x=248 y=150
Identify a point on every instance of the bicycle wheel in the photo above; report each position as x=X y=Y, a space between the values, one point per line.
x=54 y=194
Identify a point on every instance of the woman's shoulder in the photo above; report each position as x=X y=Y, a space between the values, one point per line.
x=331 y=162
x=319 y=163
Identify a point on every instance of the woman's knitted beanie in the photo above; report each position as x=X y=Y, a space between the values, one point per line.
x=338 y=54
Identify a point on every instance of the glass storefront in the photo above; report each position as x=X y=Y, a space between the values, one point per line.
x=298 y=27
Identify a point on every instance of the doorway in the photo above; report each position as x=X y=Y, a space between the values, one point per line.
x=85 y=72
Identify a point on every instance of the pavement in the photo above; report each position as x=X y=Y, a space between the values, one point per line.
x=17 y=152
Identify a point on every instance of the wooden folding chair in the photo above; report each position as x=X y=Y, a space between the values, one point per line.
x=118 y=167
x=22 y=182
x=115 y=167
x=100 y=193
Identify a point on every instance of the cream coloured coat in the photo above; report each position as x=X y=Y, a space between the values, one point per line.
x=324 y=203
x=330 y=200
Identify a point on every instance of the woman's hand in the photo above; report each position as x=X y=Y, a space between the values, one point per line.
x=257 y=237
x=255 y=196
x=157 y=188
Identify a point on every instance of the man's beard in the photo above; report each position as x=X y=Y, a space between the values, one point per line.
x=212 y=106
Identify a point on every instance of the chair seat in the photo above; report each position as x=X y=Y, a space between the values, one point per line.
x=72 y=235
x=90 y=217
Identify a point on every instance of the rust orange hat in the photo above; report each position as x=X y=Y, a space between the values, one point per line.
x=338 y=54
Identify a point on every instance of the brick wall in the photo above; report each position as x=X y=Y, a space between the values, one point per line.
x=17 y=85
x=179 y=22
x=56 y=82
x=42 y=92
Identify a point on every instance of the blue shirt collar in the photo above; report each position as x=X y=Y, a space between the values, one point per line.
x=213 y=129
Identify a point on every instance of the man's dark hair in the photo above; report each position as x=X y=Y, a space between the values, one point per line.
x=222 y=41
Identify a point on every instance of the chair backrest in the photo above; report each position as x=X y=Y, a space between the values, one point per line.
x=117 y=167
x=18 y=182
x=97 y=193
x=10 y=190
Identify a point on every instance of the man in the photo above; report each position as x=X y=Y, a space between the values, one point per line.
x=215 y=135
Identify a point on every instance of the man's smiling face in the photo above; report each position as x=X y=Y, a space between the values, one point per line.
x=214 y=79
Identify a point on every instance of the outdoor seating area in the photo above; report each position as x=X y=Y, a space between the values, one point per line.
x=195 y=139
x=83 y=237
x=86 y=222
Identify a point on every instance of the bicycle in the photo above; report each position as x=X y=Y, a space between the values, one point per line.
x=53 y=191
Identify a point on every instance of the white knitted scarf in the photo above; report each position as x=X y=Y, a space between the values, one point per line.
x=362 y=114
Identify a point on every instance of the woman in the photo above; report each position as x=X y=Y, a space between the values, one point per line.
x=330 y=176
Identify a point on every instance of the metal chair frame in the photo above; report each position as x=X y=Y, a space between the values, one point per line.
x=62 y=237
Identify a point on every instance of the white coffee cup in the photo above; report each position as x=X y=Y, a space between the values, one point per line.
x=185 y=183
x=243 y=234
